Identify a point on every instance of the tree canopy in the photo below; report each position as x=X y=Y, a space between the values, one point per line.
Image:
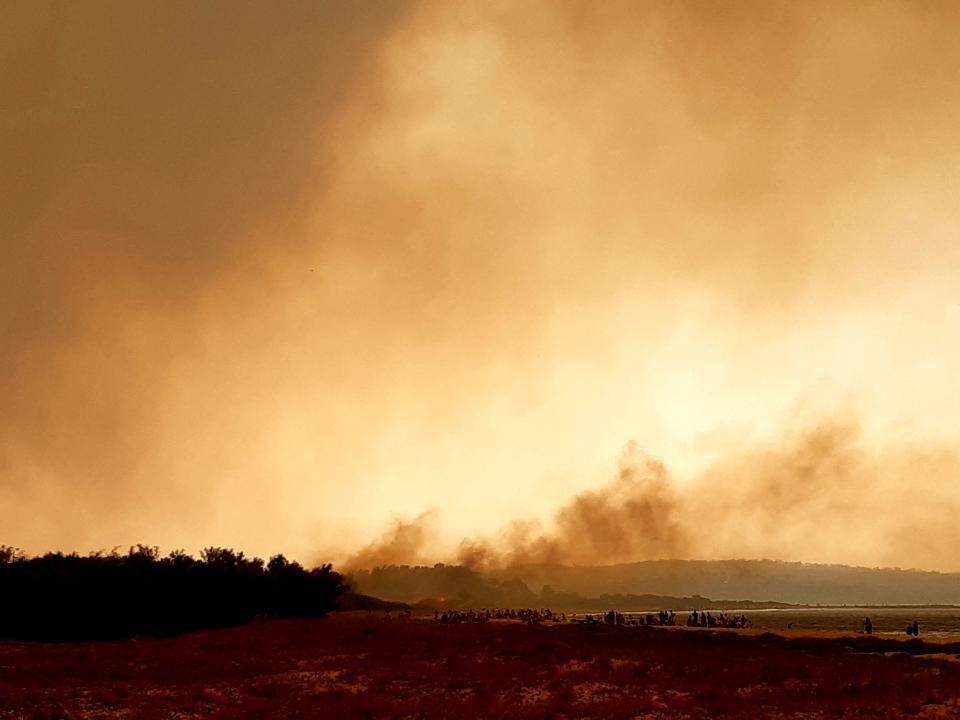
x=107 y=595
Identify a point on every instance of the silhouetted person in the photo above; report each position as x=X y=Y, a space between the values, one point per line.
x=867 y=626
x=916 y=629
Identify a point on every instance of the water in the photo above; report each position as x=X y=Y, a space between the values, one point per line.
x=934 y=621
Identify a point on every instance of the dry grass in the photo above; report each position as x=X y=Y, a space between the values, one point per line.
x=353 y=668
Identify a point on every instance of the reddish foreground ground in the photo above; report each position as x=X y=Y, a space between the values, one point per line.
x=353 y=667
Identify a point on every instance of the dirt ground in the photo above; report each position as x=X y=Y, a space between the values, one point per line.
x=358 y=667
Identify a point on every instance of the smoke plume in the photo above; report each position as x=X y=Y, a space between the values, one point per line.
x=403 y=543
x=795 y=498
x=633 y=516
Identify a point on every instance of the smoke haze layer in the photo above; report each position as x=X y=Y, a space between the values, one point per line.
x=272 y=275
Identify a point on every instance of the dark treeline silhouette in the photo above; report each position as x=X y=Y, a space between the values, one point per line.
x=454 y=586
x=670 y=584
x=460 y=587
x=112 y=595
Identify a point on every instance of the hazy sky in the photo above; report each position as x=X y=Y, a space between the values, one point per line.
x=278 y=275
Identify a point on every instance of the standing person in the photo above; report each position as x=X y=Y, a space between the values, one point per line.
x=867 y=626
x=916 y=629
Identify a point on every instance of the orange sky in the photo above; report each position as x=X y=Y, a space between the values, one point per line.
x=276 y=275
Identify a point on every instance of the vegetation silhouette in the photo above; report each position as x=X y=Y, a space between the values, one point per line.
x=69 y=597
x=461 y=587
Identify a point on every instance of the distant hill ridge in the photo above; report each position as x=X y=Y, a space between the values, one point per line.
x=683 y=581
x=790 y=582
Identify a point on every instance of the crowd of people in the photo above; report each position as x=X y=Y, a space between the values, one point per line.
x=533 y=616
x=722 y=620
x=536 y=616
x=612 y=617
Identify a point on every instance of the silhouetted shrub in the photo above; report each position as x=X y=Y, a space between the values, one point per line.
x=110 y=595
